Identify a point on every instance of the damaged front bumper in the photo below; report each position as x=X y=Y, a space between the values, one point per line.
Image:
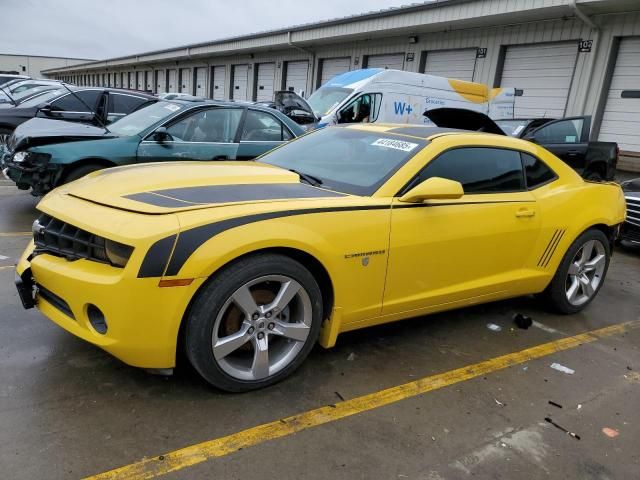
x=39 y=177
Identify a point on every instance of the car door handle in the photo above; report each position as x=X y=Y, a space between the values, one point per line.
x=525 y=212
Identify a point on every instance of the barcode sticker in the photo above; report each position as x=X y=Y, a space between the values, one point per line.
x=395 y=144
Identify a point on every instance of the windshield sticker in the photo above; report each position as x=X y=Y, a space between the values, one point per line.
x=518 y=129
x=395 y=144
x=172 y=107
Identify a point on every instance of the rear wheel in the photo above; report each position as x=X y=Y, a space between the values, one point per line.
x=581 y=273
x=254 y=323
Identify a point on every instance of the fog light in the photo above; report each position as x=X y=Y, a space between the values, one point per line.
x=97 y=320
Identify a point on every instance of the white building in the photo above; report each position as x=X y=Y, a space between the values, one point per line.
x=33 y=65
x=565 y=58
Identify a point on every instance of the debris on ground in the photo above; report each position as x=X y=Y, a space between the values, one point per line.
x=551 y=402
x=579 y=406
x=339 y=396
x=493 y=327
x=559 y=427
x=351 y=357
x=522 y=321
x=610 y=432
x=498 y=402
x=562 y=368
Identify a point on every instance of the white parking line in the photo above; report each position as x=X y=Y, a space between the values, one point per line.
x=2 y=257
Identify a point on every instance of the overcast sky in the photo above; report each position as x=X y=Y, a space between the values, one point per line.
x=109 y=28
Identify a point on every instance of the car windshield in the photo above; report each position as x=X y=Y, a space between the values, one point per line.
x=347 y=160
x=513 y=128
x=326 y=99
x=138 y=121
x=34 y=101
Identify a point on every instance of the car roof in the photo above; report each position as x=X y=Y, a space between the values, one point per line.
x=419 y=131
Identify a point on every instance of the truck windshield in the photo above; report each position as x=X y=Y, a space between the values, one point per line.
x=346 y=159
x=326 y=99
x=138 y=121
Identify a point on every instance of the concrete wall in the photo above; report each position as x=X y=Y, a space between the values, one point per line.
x=32 y=65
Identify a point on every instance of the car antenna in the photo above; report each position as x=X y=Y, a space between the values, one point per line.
x=96 y=116
x=8 y=95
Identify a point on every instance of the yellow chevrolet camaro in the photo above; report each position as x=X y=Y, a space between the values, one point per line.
x=246 y=265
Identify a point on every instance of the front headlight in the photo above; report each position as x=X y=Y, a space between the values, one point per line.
x=20 y=157
x=117 y=253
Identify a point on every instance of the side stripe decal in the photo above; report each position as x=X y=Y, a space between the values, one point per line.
x=546 y=256
x=190 y=240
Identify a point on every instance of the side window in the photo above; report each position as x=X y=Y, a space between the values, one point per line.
x=479 y=170
x=363 y=109
x=567 y=131
x=214 y=125
x=69 y=103
x=536 y=171
x=124 y=104
x=263 y=127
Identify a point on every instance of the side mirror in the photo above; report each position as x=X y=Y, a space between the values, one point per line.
x=531 y=137
x=45 y=109
x=434 y=188
x=161 y=135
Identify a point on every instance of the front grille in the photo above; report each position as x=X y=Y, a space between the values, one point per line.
x=61 y=239
x=633 y=208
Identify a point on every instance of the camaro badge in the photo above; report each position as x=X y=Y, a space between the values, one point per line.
x=364 y=256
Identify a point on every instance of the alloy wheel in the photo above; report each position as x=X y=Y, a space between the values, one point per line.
x=586 y=272
x=262 y=327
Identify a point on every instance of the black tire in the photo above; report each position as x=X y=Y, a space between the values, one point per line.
x=556 y=293
x=213 y=297
x=80 y=171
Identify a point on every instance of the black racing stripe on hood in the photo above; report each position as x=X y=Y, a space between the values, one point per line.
x=212 y=194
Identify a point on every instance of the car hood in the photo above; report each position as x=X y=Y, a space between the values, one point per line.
x=161 y=188
x=44 y=131
x=463 y=119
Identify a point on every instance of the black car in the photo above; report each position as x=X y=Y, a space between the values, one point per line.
x=567 y=138
x=630 y=231
x=79 y=104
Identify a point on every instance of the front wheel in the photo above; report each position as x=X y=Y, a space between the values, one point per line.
x=254 y=323
x=581 y=273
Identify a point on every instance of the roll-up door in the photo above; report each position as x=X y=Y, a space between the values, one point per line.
x=265 y=81
x=201 y=81
x=117 y=80
x=239 y=81
x=185 y=80
x=621 y=118
x=132 y=80
x=542 y=76
x=459 y=64
x=330 y=67
x=172 y=84
x=148 y=80
x=393 y=61
x=161 y=81
x=296 y=77
x=218 y=91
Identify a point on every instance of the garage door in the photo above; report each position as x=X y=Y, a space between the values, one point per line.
x=330 y=67
x=542 y=75
x=394 y=61
x=185 y=80
x=172 y=86
x=239 y=81
x=296 y=79
x=459 y=64
x=201 y=81
x=621 y=119
x=161 y=81
x=265 y=81
x=132 y=80
x=217 y=83
x=148 y=80
x=140 y=82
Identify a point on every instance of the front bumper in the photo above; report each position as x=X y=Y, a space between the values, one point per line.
x=630 y=233
x=39 y=178
x=143 y=319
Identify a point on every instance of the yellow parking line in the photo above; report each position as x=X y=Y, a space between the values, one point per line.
x=15 y=234
x=219 y=447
